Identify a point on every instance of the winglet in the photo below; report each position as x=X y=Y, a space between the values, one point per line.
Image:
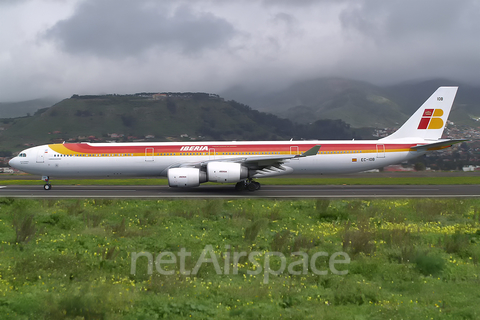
x=310 y=152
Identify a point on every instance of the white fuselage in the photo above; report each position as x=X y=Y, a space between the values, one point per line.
x=154 y=159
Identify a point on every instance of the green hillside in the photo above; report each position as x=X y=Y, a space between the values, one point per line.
x=358 y=103
x=465 y=109
x=172 y=117
x=24 y=108
x=359 y=108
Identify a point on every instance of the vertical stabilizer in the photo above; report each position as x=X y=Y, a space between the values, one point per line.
x=430 y=119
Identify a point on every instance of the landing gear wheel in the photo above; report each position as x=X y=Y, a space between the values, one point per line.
x=240 y=186
x=47 y=185
x=252 y=185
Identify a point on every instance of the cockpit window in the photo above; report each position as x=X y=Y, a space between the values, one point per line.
x=22 y=155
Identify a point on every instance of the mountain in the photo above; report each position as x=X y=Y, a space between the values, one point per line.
x=24 y=108
x=157 y=117
x=466 y=109
x=358 y=103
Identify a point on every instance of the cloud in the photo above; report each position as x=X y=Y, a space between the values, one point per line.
x=296 y=3
x=112 y=28
x=11 y=2
x=416 y=39
x=120 y=46
x=395 y=21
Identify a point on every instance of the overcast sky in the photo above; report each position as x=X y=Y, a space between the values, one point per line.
x=65 y=47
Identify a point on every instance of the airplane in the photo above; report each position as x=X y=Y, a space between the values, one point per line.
x=190 y=164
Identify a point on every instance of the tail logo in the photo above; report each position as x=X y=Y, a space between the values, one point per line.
x=431 y=119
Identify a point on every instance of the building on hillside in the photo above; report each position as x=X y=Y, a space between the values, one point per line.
x=159 y=96
x=470 y=168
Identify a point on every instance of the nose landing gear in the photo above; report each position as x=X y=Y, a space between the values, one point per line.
x=47 y=185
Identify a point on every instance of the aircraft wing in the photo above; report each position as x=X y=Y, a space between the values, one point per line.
x=437 y=145
x=258 y=162
x=265 y=165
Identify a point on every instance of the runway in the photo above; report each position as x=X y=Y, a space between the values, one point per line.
x=227 y=191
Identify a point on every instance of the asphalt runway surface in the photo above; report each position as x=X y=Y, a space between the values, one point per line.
x=228 y=191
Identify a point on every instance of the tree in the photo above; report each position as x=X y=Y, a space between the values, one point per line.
x=419 y=166
x=128 y=120
x=171 y=106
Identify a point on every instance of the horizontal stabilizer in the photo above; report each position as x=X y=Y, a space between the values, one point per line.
x=437 y=145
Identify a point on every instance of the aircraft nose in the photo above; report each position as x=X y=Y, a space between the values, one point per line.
x=13 y=162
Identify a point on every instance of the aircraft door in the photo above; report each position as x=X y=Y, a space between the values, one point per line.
x=211 y=153
x=380 y=151
x=294 y=150
x=149 y=154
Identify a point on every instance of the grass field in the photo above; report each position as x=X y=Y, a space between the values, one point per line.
x=72 y=259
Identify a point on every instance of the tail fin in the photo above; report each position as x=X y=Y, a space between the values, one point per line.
x=429 y=120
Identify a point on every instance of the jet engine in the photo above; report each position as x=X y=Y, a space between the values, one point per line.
x=186 y=177
x=226 y=172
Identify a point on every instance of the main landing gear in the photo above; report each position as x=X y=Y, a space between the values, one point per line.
x=47 y=185
x=249 y=185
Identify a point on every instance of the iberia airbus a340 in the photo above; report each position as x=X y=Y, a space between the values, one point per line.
x=190 y=164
